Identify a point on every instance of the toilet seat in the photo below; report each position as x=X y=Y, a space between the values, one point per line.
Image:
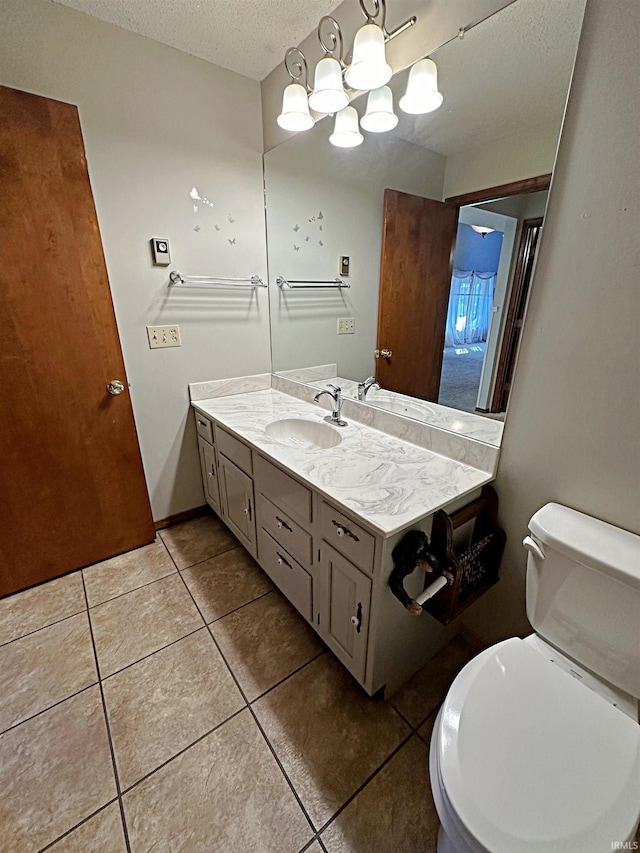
x=532 y=760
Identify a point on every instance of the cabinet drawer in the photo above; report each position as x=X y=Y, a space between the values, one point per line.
x=204 y=427
x=287 y=574
x=234 y=450
x=347 y=537
x=284 y=530
x=284 y=491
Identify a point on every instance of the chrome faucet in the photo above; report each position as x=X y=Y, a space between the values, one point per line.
x=336 y=396
x=365 y=386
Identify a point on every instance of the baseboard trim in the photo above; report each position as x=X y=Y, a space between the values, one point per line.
x=179 y=517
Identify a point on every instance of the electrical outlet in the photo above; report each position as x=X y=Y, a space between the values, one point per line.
x=346 y=325
x=164 y=336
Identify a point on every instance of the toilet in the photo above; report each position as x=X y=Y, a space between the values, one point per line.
x=536 y=747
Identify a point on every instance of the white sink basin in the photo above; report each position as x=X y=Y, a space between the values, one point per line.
x=305 y=435
x=399 y=407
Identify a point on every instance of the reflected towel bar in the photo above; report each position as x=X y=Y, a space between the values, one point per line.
x=310 y=284
x=214 y=281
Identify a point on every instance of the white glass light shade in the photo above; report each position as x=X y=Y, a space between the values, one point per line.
x=346 y=133
x=422 y=94
x=379 y=115
x=328 y=94
x=295 y=113
x=368 y=69
x=483 y=229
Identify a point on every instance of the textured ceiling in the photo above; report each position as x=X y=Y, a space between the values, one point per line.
x=245 y=36
x=506 y=76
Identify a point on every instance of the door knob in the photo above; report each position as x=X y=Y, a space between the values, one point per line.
x=115 y=387
x=383 y=353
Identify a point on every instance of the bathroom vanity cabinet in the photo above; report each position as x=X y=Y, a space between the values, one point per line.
x=331 y=563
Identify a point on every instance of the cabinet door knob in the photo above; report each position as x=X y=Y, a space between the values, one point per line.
x=354 y=620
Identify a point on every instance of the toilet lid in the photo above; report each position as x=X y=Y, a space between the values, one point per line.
x=532 y=760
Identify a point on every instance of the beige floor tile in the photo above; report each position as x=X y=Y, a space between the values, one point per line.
x=197 y=540
x=165 y=702
x=35 y=608
x=134 y=625
x=226 y=793
x=55 y=770
x=315 y=848
x=428 y=687
x=394 y=812
x=426 y=728
x=45 y=667
x=226 y=582
x=100 y=834
x=328 y=734
x=264 y=642
x=126 y=572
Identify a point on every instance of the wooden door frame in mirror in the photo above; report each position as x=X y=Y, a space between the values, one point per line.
x=528 y=185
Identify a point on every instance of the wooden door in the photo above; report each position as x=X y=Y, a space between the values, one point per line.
x=72 y=488
x=418 y=236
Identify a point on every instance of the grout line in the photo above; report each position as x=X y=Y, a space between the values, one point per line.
x=78 y=825
x=42 y=627
x=183 y=750
x=48 y=708
x=321 y=843
x=109 y=737
x=253 y=714
x=138 y=660
x=128 y=591
x=369 y=778
x=286 y=677
x=240 y=606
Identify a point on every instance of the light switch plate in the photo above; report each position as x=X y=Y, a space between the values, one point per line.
x=164 y=336
x=160 y=251
x=344 y=265
x=346 y=326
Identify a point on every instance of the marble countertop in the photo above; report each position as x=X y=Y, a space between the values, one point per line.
x=384 y=481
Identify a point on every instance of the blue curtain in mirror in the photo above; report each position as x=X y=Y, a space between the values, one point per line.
x=469 y=313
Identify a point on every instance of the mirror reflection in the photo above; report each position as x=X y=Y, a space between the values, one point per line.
x=436 y=253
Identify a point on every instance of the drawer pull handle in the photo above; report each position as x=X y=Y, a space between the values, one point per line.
x=281 y=523
x=202 y=423
x=282 y=561
x=247 y=510
x=357 y=619
x=341 y=530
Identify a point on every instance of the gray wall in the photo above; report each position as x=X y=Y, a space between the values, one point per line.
x=572 y=431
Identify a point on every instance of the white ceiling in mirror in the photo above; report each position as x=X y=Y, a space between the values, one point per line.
x=247 y=37
x=522 y=82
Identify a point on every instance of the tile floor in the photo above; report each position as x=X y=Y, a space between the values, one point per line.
x=172 y=700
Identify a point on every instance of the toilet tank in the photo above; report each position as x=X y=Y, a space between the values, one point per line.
x=583 y=592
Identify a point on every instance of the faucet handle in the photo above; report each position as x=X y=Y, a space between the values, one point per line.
x=335 y=388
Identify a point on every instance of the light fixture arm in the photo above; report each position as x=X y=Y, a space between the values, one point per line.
x=330 y=38
x=296 y=65
x=380 y=9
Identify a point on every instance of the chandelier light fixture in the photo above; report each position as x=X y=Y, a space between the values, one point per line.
x=334 y=81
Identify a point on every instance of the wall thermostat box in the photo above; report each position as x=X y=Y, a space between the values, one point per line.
x=160 y=250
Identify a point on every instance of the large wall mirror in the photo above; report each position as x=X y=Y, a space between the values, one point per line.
x=452 y=346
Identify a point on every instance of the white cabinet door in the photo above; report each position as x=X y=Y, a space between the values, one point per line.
x=209 y=474
x=344 y=609
x=237 y=500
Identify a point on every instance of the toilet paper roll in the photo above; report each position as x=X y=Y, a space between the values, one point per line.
x=432 y=589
